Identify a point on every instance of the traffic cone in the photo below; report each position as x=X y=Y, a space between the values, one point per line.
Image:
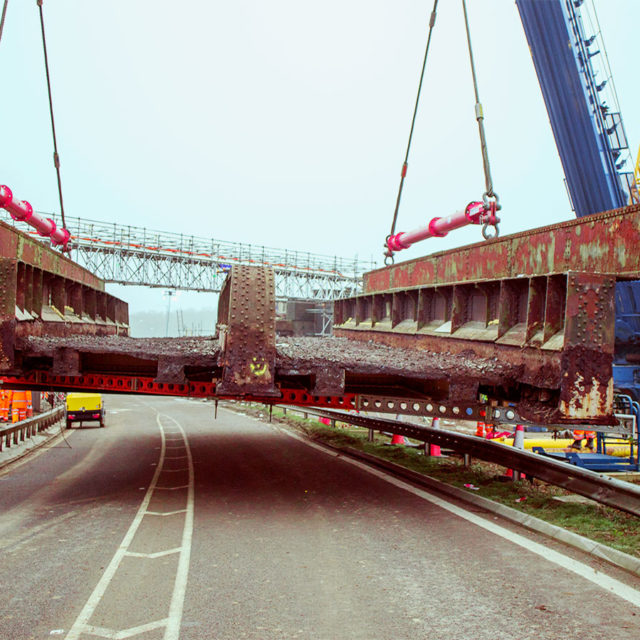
x=480 y=429
x=396 y=439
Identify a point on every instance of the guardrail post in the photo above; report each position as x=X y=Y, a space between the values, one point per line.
x=466 y=460
x=370 y=436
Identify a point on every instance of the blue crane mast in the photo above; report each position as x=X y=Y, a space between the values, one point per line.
x=591 y=141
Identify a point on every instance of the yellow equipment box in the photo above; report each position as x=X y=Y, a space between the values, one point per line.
x=84 y=407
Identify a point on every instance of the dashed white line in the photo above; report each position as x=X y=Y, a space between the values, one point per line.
x=153 y=556
x=126 y=633
x=173 y=621
x=94 y=599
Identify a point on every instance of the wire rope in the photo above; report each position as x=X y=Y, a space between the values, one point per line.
x=489 y=192
x=4 y=15
x=405 y=165
x=56 y=157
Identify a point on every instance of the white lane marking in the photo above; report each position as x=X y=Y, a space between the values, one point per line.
x=604 y=581
x=174 y=620
x=165 y=513
x=125 y=633
x=94 y=599
x=172 y=631
x=153 y=556
x=182 y=486
x=174 y=457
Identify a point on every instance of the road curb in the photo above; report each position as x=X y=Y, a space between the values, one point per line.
x=597 y=549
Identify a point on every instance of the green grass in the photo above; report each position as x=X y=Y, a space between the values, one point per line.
x=595 y=521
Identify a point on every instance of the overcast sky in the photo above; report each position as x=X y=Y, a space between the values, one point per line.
x=284 y=122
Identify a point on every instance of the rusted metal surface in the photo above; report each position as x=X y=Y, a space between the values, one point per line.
x=541 y=300
x=333 y=372
x=555 y=332
x=44 y=293
x=603 y=243
x=247 y=332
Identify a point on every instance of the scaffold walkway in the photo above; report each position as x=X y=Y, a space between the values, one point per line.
x=129 y=255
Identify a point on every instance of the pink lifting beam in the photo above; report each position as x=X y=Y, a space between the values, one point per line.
x=483 y=213
x=22 y=211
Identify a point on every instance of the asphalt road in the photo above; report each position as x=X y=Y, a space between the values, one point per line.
x=168 y=524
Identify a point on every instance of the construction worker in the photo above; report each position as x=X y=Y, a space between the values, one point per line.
x=579 y=436
x=5 y=403
x=19 y=405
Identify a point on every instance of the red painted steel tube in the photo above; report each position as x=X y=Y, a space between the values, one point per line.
x=22 y=211
x=474 y=213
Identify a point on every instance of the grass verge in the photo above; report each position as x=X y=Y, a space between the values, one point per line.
x=597 y=522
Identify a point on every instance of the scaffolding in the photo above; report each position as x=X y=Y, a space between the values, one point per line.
x=124 y=254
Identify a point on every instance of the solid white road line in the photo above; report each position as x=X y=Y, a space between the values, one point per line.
x=173 y=621
x=172 y=632
x=94 y=599
x=604 y=581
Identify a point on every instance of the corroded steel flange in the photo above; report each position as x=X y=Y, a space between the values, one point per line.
x=247 y=332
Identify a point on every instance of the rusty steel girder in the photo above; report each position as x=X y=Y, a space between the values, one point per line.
x=247 y=333
x=520 y=328
x=543 y=301
x=44 y=293
x=602 y=243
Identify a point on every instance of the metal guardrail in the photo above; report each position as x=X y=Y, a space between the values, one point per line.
x=20 y=431
x=614 y=493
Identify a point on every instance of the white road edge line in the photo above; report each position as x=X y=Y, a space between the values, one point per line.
x=172 y=631
x=94 y=599
x=604 y=581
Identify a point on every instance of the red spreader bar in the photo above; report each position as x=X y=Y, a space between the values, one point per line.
x=483 y=213
x=22 y=211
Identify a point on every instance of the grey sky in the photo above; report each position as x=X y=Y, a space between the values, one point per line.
x=284 y=122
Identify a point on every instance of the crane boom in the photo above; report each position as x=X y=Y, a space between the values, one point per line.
x=590 y=138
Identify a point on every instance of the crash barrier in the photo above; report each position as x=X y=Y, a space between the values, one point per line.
x=614 y=493
x=20 y=431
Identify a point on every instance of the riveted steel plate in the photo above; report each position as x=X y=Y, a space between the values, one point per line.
x=247 y=332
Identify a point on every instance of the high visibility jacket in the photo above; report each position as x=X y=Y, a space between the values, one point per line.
x=581 y=435
x=5 y=404
x=20 y=404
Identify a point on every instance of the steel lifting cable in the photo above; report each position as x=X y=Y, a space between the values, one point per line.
x=489 y=195
x=56 y=157
x=4 y=15
x=405 y=165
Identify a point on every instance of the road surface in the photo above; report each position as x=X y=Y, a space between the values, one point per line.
x=168 y=524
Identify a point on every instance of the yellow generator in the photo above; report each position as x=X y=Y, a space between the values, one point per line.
x=84 y=407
